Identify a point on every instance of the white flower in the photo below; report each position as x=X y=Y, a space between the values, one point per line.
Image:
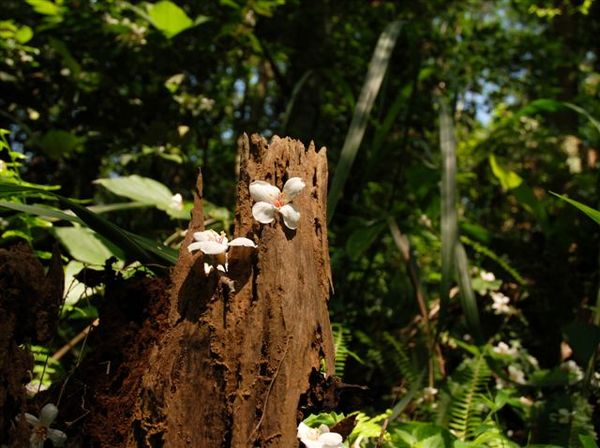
x=563 y=416
x=176 y=202
x=516 y=375
x=40 y=428
x=429 y=393
x=212 y=243
x=270 y=199
x=500 y=305
x=503 y=349
x=487 y=276
x=573 y=370
x=318 y=437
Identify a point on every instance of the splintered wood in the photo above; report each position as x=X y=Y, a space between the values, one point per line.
x=240 y=348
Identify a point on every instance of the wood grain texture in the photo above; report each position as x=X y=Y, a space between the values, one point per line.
x=232 y=367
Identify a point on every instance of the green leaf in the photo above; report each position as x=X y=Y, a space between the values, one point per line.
x=508 y=179
x=134 y=246
x=24 y=34
x=449 y=217
x=377 y=69
x=362 y=238
x=58 y=143
x=40 y=210
x=84 y=245
x=587 y=441
x=46 y=7
x=169 y=18
x=141 y=189
x=592 y=213
x=144 y=190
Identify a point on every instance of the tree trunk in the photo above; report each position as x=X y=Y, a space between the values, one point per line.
x=240 y=347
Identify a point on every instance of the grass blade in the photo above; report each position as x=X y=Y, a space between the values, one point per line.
x=377 y=69
x=449 y=217
x=453 y=252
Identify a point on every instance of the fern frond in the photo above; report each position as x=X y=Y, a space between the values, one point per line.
x=341 y=341
x=486 y=251
x=468 y=406
x=400 y=359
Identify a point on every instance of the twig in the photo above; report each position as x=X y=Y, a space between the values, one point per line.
x=262 y=415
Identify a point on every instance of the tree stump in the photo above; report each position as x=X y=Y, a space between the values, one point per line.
x=241 y=346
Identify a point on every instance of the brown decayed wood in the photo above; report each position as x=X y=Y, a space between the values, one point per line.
x=29 y=304
x=230 y=370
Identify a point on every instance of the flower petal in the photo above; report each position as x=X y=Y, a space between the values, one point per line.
x=246 y=242
x=57 y=437
x=206 y=235
x=331 y=439
x=207 y=268
x=292 y=187
x=32 y=419
x=291 y=216
x=264 y=212
x=48 y=414
x=208 y=247
x=264 y=191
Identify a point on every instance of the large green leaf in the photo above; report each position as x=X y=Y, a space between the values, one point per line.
x=377 y=69
x=84 y=245
x=58 y=143
x=144 y=190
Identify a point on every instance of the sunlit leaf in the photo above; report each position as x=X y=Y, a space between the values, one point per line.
x=170 y=19
x=589 y=211
x=84 y=245
x=508 y=179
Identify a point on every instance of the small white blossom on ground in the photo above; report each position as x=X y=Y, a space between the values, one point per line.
x=504 y=349
x=574 y=371
x=269 y=199
x=176 y=202
x=429 y=393
x=500 y=305
x=487 y=276
x=516 y=375
x=40 y=428
x=319 y=437
x=533 y=361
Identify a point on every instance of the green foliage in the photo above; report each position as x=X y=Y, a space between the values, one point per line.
x=468 y=388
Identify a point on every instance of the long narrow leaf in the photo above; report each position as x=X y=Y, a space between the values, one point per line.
x=467 y=296
x=453 y=253
x=134 y=246
x=449 y=218
x=589 y=211
x=40 y=210
x=377 y=68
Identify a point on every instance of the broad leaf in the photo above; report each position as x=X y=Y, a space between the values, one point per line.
x=508 y=179
x=84 y=245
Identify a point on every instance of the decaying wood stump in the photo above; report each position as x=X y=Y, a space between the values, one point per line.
x=240 y=347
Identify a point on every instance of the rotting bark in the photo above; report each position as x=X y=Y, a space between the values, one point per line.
x=29 y=304
x=233 y=365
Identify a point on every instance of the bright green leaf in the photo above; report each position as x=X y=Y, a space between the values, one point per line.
x=169 y=18
x=508 y=179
